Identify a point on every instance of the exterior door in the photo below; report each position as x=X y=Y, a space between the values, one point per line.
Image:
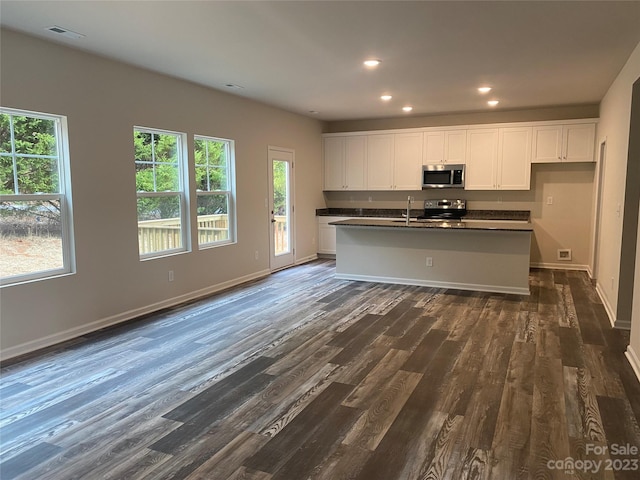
x=281 y=207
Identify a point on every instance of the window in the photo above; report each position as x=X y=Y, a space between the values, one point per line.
x=162 y=203
x=214 y=184
x=35 y=197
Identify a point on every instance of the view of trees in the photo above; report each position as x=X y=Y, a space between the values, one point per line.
x=28 y=165
x=211 y=174
x=36 y=155
x=279 y=187
x=158 y=170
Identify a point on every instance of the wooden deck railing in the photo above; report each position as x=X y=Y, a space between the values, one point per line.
x=280 y=236
x=165 y=234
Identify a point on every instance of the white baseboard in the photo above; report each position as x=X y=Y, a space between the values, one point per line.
x=429 y=283
x=633 y=360
x=71 y=333
x=610 y=311
x=560 y=266
x=607 y=306
x=307 y=259
x=590 y=272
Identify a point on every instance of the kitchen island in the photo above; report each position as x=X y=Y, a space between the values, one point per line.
x=479 y=255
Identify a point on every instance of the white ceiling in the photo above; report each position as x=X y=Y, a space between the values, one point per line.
x=307 y=55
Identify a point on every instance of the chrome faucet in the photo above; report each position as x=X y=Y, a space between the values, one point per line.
x=408 y=209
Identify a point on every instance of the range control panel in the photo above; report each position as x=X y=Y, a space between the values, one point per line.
x=458 y=204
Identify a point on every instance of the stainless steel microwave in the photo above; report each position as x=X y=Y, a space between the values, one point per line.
x=442 y=175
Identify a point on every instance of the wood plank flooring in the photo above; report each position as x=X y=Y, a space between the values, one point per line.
x=302 y=376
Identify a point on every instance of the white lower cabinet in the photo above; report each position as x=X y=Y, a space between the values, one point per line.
x=327 y=235
x=498 y=159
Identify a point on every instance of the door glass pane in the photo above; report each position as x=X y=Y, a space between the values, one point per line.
x=281 y=207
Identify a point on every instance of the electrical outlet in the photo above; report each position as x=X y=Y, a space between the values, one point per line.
x=370 y=199
x=170 y=275
x=256 y=255
x=549 y=200
x=429 y=261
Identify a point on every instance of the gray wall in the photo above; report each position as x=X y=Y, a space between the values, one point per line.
x=490 y=116
x=103 y=100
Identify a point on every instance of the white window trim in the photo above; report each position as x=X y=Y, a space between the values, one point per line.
x=64 y=196
x=183 y=194
x=230 y=192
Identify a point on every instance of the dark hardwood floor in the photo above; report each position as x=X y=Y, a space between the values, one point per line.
x=301 y=376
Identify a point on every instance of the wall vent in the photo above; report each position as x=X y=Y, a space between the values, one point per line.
x=564 y=254
x=65 y=32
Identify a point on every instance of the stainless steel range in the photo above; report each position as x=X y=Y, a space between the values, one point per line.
x=444 y=210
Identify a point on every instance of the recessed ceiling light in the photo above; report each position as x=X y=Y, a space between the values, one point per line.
x=484 y=89
x=386 y=98
x=371 y=63
x=407 y=108
x=493 y=103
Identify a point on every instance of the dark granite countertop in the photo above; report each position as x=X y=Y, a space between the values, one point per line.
x=475 y=224
x=502 y=215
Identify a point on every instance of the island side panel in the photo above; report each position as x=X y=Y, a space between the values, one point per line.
x=482 y=260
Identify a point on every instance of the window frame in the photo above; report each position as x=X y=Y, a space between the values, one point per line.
x=64 y=195
x=230 y=192
x=182 y=193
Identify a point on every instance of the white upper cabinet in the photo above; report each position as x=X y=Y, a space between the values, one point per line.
x=444 y=146
x=355 y=171
x=380 y=157
x=564 y=143
x=345 y=162
x=498 y=159
x=407 y=165
x=514 y=158
x=334 y=163
x=455 y=146
x=482 y=159
x=579 y=142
